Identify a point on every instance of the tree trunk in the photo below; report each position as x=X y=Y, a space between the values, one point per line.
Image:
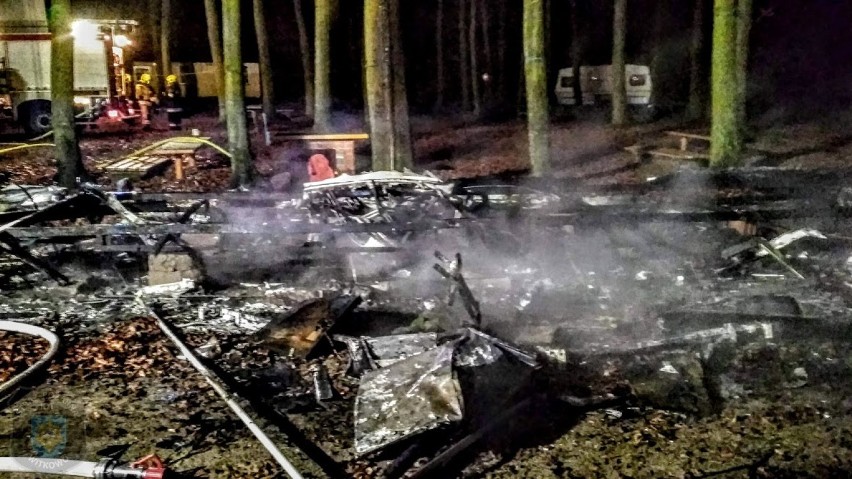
x=307 y=59
x=215 y=41
x=660 y=55
x=619 y=87
x=385 y=79
x=474 y=67
x=439 y=57
x=743 y=34
x=726 y=143
x=267 y=90
x=535 y=74
x=500 y=73
x=241 y=167
x=487 y=54
x=577 y=47
x=166 y=37
x=695 y=109
x=155 y=8
x=322 y=65
x=464 y=65
x=403 y=155
x=68 y=158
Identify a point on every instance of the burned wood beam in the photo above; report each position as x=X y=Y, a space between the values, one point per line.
x=471 y=305
x=10 y=245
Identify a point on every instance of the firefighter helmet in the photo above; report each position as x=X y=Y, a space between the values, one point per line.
x=145 y=78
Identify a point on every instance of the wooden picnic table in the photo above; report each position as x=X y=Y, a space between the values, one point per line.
x=343 y=145
x=685 y=137
x=175 y=151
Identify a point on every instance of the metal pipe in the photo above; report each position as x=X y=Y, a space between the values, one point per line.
x=215 y=383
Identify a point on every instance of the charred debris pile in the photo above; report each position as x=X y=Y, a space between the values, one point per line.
x=430 y=318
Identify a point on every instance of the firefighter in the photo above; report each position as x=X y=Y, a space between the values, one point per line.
x=172 y=102
x=145 y=96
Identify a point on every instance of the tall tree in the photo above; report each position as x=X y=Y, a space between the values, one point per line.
x=439 y=56
x=725 y=133
x=619 y=86
x=390 y=134
x=464 y=66
x=696 y=108
x=402 y=149
x=474 y=65
x=500 y=72
x=267 y=90
x=166 y=36
x=69 y=160
x=241 y=167
x=307 y=58
x=155 y=8
x=215 y=41
x=487 y=54
x=744 y=8
x=322 y=65
x=578 y=46
x=535 y=74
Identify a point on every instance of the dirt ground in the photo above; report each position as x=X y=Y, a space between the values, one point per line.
x=120 y=382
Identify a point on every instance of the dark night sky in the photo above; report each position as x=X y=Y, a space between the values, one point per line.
x=801 y=49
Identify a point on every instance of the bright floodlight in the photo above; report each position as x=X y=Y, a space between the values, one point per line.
x=121 y=41
x=84 y=30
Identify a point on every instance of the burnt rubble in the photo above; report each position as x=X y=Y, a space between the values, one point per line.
x=333 y=322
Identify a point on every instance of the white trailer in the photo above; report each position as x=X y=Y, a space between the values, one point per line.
x=25 y=64
x=596 y=87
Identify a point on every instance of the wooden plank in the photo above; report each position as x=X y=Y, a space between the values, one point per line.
x=315 y=137
x=693 y=136
x=680 y=154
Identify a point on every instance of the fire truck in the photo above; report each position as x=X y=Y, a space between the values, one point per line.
x=100 y=89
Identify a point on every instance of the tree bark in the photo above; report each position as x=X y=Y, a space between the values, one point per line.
x=474 y=66
x=267 y=89
x=619 y=87
x=726 y=142
x=215 y=41
x=577 y=47
x=403 y=155
x=390 y=136
x=307 y=58
x=155 y=8
x=439 y=57
x=241 y=167
x=487 y=54
x=501 y=78
x=743 y=35
x=166 y=37
x=696 y=108
x=68 y=158
x=464 y=65
x=322 y=65
x=535 y=73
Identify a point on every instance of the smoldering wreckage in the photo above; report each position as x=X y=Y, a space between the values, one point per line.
x=538 y=306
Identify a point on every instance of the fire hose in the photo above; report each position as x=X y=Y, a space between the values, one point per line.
x=29 y=329
x=25 y=146
x=149 y=467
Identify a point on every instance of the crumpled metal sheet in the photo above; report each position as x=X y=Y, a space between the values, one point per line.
x=480 y=349
x=26 y=197
x=387 y=350
x=411 y=396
